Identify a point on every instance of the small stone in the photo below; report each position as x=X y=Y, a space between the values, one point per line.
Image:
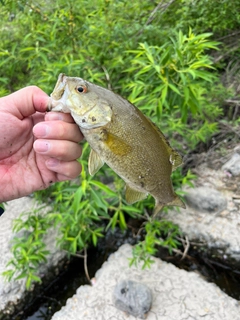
x=132 y=297
x=205 y=199
x=233 y=165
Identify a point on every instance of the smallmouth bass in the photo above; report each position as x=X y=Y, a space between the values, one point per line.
x=122 y=137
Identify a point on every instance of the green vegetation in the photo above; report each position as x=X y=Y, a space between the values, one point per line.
x=159 y=55
x=29 y=249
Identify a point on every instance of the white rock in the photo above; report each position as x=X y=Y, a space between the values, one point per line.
x=205 y=199
x=233 y=165
x=14 y=291
x=177 y=294
x=132 y=297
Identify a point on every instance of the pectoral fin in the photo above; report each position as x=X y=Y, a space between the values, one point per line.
x=117 y=145
x=133 y=195
x=94 y=162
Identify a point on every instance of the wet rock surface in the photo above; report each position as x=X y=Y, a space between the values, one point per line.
x=233 y=164
x=177 y=294
x=212 y=219
x=212 y=216
x=13 y=294
x=206 y=199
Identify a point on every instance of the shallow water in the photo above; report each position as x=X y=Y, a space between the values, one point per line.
x=66 y=284
x=63 y=287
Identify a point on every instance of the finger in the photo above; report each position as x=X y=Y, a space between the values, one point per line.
x=59 y=130
x=60 y=149
x=65 y=170
x=26 y=102
x=52 y=116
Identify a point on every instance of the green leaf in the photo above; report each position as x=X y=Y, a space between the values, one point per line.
x=122 y=221
x=94 y=239
x=174 y=88
x=103 y=187
x=131 y=209
x=28 y=282
x=36 y=278
x=21 y=276
x=186 y=94
x=100 y=202
x=77 y=198
x=164 y=93
x=27 y=49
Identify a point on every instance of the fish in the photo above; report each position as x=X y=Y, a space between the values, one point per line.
x=121 y=136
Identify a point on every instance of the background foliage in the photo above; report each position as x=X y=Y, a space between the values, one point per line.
x=162 y=56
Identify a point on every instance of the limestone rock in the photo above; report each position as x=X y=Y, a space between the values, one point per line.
x=206 y=199
x=13 y=293
x=132 y=297
x=217 y=232
x=177 y=294
x=233 y=165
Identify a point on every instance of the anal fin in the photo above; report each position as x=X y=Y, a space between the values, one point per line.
x=133 y=195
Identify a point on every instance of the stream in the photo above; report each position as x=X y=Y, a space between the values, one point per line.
x=53 y=297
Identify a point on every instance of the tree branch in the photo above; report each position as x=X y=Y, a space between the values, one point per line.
x=161 y=6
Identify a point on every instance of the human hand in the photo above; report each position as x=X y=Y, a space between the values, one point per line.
x=36 y=149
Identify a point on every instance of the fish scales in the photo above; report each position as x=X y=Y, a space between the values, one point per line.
x=122 y=137
x=139 y=164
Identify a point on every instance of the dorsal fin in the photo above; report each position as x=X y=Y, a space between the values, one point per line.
x=174 y=157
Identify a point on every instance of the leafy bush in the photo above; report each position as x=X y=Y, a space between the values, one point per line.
x=204 y=16
x=128 y=47
x=158 y=233
x=170 y=84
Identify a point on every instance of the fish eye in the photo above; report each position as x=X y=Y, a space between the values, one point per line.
x=81 y=89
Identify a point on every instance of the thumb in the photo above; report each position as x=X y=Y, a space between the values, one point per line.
x=26 y=102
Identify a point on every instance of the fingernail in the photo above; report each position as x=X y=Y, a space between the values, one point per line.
x=41 y=130
x=41 y=146
x=52 y=162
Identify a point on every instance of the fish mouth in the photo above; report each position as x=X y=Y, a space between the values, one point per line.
x=61 y=79
x=55 y=102
x=59 y=87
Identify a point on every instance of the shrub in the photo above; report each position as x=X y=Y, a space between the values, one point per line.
x=121 y=45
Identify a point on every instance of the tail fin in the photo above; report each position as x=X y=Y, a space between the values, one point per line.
x=158 y=208
x=177 y=202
